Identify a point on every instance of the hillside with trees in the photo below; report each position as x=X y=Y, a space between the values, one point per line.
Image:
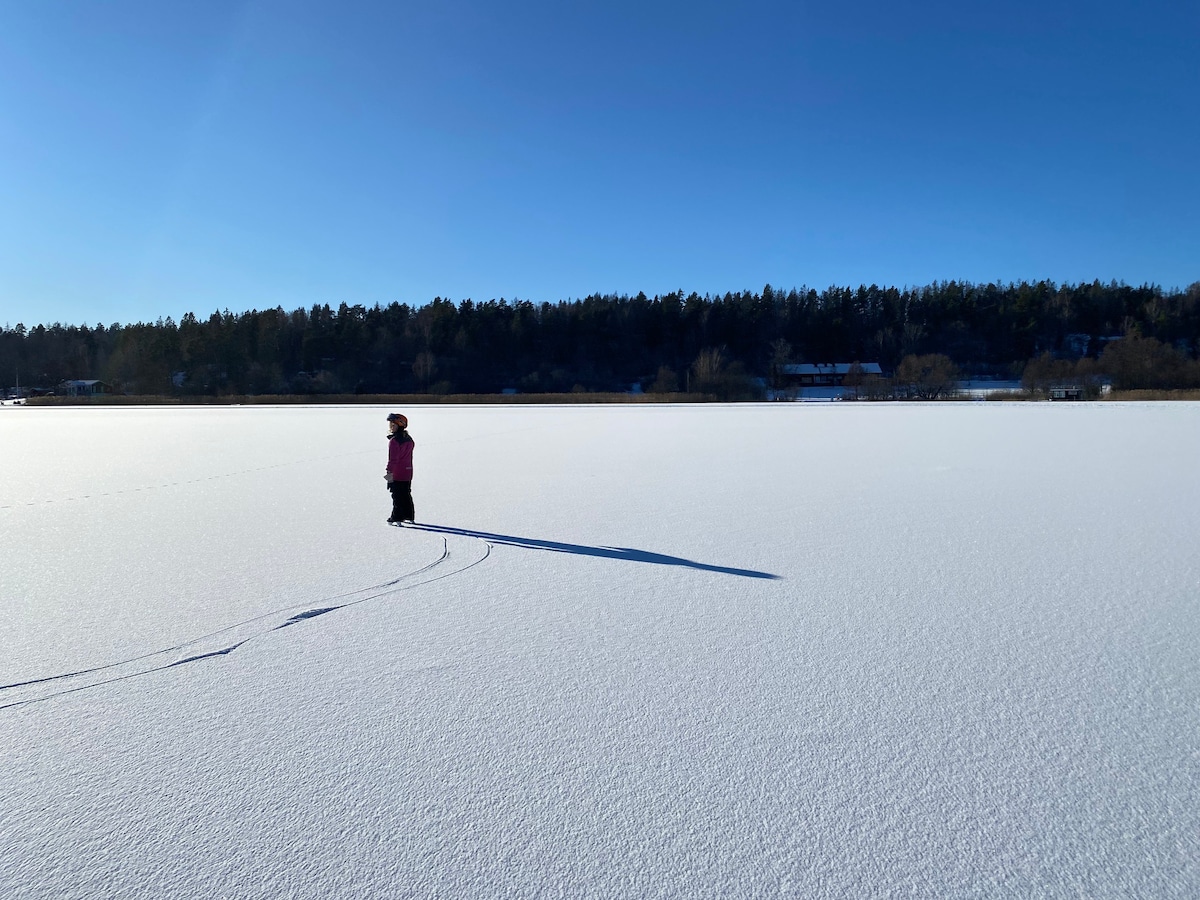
x=722 y=345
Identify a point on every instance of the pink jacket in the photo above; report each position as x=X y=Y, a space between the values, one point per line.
x=400 y=451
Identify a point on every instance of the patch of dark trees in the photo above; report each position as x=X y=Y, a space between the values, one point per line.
x=731 y=345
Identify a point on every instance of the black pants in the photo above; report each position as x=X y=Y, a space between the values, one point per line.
x=402 y=501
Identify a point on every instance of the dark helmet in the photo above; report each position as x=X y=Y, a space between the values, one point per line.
x=399 y=419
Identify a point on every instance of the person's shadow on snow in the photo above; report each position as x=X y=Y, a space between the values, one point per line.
x=627 y=554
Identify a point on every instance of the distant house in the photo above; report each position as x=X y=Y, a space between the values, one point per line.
x=1066 y=392
x=79 y=388
x=823 y=374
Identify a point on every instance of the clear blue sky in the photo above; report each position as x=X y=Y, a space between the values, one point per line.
x=158 y=158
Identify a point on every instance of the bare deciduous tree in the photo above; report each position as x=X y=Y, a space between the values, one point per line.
x=667 y=382
x=926 y=377
x=708 y=370
x=424 y=367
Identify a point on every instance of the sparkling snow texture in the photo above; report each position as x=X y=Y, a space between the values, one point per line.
x=639 y=651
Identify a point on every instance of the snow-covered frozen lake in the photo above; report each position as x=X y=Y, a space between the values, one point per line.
x=783 y=650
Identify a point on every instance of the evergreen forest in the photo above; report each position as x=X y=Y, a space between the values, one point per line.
x=730 y=345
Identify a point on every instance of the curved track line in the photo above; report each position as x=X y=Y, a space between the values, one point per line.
x=232 y=637
x=220 y=631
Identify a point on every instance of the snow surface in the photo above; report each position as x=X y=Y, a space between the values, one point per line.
x=638 y=651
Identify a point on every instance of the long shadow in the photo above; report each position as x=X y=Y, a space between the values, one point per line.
x=627 y=554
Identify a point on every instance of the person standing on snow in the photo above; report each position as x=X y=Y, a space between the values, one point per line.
x=399 y=471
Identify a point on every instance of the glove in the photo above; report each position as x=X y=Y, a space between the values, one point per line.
x=387 y=477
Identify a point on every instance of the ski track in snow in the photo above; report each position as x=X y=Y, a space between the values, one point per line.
x=232 y=637
x=227 y=640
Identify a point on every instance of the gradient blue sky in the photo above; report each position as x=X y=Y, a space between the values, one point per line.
x=158 y=158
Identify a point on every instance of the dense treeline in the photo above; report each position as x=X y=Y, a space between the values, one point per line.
x=608 y=342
